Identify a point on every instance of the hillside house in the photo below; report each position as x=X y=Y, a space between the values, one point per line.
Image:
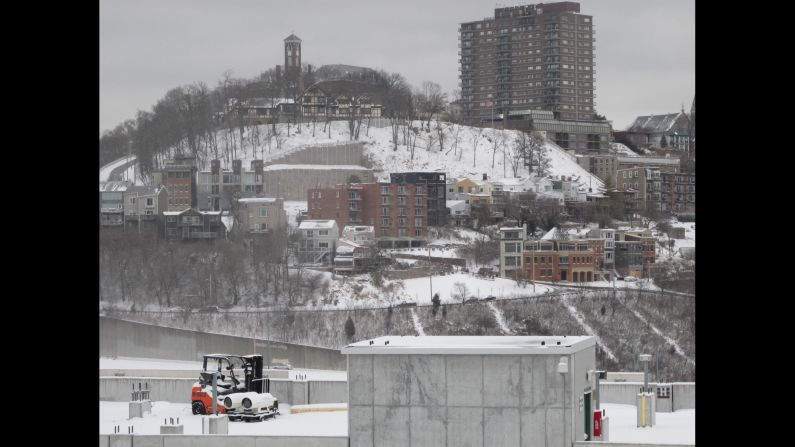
x=261 y=215
x=192 y=224
x=318 y=241
x=111 y=203
x=144 y=207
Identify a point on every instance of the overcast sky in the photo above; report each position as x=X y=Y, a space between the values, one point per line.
x=645 y=50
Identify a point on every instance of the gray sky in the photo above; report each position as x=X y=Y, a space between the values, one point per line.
x=645 y=50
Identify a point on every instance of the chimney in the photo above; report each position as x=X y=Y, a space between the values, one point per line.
x=485 y=176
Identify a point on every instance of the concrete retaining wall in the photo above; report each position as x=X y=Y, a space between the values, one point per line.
x=220 y=441
x=338 y=154
x=120 y=338
x=118 y=389
x=684 y=393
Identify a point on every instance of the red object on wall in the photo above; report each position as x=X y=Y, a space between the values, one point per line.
x=597 y=423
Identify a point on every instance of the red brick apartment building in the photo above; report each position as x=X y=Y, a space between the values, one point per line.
x=575 y=261
x=398 y=212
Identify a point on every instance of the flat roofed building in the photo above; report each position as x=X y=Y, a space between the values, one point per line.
x=470 y=390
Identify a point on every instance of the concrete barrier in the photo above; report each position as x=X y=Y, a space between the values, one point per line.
x=683 y=393
x=179 y=373
x=117 y=389
x=121 y=338
x=620 y=444
x=221 y=441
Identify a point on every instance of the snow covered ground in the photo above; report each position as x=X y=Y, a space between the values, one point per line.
x=418 y=290
x=380 y=149
x=678 y=427
x=286 y=424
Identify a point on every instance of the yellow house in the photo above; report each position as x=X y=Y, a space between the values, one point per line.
x=476 y=191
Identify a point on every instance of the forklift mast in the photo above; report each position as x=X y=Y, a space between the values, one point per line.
x=256 y=365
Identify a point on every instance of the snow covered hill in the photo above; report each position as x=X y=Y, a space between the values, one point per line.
x=470 y=156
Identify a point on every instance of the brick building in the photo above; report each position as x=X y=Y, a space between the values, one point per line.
x=678 y=192
x=434 y=187
x=397 y=212
x=179 y=178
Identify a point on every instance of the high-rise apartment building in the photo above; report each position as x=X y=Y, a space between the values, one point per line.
x=532 y=57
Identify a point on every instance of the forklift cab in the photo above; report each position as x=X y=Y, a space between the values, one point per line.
x=236 y=373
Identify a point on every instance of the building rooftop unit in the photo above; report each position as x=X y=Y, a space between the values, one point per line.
x=471 y=345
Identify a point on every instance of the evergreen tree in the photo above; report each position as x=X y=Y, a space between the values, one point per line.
x=350 y=329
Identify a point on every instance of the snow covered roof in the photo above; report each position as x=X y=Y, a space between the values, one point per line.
x=316 y=224
x=318 y=167
x=471 y=345
x=267 y=102
x=144 y=190
x=654 y=123
x=345 y=249
x=649 y=160
x=257 y=200
x=359 y=228
x=511 y=228
x=174 y=213
x=452 y=203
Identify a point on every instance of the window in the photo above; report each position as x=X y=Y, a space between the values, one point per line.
x=401 y=201
x=563 y=260
x=418 y=212
x=322 y=233
x=132 y=200
x=384 y=211
x=418 y=201
x=384 y=231
x=402 y=232
x=460 y=189
x=171 y=219
x=401 y=211
x=263 y=211
x=384 y=222
x=310 y=233
x=385 y=190
x=338 y=194
x=418 y=232
x=401 y=190
x=385 y=200
x=402 y=221
x=510 y=248
x=510 y=260
x=418 y=221
x=322 y=244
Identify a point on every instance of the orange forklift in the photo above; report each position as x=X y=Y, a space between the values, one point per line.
x=235 y=374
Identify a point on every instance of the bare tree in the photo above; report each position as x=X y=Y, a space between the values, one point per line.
x=431 y=101
x=498 y=141
x=475 y=133
x=460 y=291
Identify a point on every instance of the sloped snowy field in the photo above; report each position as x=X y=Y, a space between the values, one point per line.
x=381 y=150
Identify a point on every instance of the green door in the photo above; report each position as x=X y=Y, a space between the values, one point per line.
x=588 y=414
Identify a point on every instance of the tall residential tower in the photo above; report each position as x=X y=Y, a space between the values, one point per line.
x=532 y=57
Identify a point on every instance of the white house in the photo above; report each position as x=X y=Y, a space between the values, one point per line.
x=460 y=212
x=318 y=241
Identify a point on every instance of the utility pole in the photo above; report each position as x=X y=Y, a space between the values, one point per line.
x=430 y=271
